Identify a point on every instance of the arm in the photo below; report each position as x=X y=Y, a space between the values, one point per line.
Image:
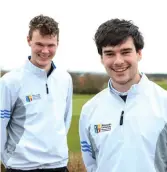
x=68 y=111
x=86 y=148
x=5 y=113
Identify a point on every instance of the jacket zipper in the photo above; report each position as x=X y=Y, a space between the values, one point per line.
x=121 y=122
x=47 y=89
x=122 y=118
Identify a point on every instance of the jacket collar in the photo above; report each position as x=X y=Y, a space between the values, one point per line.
x=135 y=89
x=36 y=70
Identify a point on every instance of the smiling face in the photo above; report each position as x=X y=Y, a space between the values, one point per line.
x=43 y=49
x=121 y=64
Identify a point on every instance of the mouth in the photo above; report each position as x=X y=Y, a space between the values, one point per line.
x=120 y=69
x=43 y=57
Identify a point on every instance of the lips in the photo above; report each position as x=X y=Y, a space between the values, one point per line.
x=120 y=69
x=42 y=57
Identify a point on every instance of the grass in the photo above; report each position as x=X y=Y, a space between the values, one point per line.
x=78 y=101
x=73 y=135
x=75 y=162
x=163 y=84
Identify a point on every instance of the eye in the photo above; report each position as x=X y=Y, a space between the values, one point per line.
x=110 y=54
x=126 y=52
x=51 y=46
x=38 y=44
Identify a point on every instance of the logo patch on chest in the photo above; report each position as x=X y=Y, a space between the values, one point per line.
x=33 y=97
x=102 y=127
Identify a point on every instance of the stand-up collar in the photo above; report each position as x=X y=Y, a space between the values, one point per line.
x=36 y=70
x=135 y=89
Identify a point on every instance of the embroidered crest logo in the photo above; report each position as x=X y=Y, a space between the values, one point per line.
x=33 y=97
x=102 y=127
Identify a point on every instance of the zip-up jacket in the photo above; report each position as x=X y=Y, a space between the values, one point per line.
x=131 y=136
x=35 y=113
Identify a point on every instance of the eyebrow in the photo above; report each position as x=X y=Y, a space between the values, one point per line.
x=39 y=43
x=108 y=51
x=111 y=51
x=126 y=49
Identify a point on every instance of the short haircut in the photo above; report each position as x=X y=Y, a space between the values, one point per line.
x=115 y=31
x=46 y=26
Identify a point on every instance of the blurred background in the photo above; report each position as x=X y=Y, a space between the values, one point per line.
x=78 y=22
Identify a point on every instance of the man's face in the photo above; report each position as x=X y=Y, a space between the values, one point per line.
x=43 y=49
x=121 y=63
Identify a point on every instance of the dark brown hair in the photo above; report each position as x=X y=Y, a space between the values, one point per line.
x=46 y=26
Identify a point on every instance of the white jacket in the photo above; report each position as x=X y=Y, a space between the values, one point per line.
x=139 y=144
x=36 y=110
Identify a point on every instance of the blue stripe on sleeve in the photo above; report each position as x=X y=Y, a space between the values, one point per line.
x=86 y=150
x=86 y=147
x=5 y=113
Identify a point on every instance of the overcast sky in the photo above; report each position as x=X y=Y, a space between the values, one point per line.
x=78 y=21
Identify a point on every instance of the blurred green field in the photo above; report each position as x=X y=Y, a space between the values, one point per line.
x=163 y=84
x=73 y=135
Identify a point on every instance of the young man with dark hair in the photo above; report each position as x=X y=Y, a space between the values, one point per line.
x=124 y=127
x=36 y=106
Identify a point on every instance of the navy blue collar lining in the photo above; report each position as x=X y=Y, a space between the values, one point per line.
x=52 y=64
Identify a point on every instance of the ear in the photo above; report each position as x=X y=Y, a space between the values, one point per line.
x=139 y=55
x=28 y=40
x=102 y=60
x=57 y=43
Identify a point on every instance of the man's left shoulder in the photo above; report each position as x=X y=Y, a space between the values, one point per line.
x=159 y=90
x=63 y=74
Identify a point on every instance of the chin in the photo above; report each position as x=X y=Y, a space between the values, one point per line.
x=42 y=62
x=122 y=81
x=43 y=65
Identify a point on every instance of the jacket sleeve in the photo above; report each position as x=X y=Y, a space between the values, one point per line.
x=88 y=153
x=5 y=113
x=68 y=111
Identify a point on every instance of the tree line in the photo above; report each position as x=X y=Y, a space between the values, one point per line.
x=92 y=83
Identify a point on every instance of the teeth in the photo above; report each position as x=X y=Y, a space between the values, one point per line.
x=42 y=56
x=120 y=70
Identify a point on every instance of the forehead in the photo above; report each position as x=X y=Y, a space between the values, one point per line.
x=37 y=36
x=127 y=44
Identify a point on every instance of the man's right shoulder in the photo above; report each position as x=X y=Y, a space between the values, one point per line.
x=95 y=100
x=12 y=77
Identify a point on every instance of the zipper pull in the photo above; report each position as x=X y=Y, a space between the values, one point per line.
x=122 y=118
x=47 y=89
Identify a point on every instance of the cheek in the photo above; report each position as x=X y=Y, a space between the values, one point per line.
x=134 y=67
x=107 y=62
x=133 y=62
x=36 y=49
x=52 y=50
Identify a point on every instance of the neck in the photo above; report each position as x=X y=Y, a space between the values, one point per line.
x=46 y=68
x=126 y=86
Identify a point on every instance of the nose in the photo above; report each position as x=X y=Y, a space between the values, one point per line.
x=45 y=49
x=118 y=60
